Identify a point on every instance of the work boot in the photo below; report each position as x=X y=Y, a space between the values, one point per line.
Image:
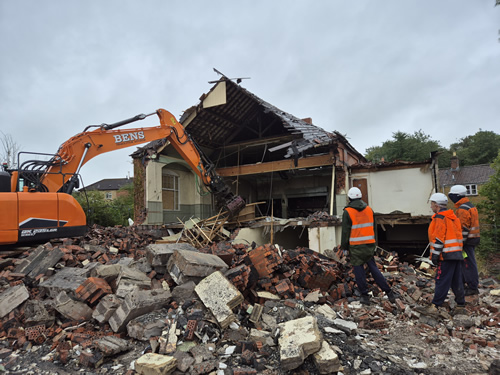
x=430 y=310
x=365 y=299
x=443 y=313
x=391 y=296
x=459 y=310
x=471 y=292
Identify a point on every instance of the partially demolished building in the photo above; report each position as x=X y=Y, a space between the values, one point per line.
x=284 y=167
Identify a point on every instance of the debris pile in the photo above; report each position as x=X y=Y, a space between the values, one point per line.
x=118 y=302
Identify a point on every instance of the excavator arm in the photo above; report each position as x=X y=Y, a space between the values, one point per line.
x=45 y=209
x=62 y=172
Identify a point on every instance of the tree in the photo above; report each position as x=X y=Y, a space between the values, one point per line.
x=404 y=146
x=9 y=150
x=489 y=209
x=105 y=212
x=480 y=148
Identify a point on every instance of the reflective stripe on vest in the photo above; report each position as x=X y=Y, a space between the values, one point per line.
x=452 y=245
x=473 y=231
x=362 y=226
x=449 y=244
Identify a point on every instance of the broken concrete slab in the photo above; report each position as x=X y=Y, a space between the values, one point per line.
x=106 y=308
x=265 y=337
x=36 y=314
x=130 y=278
x=184 y=360
x=220 y=297
x=184 y=292
x=108 y=272
x=146 y=326
x=111 y=345
x=71 y=309
x=38 y=262
x=27 y=264
x=12 y=297
x=67 y=279
x=138 y=303
x=185 y=265
x=298 y=339
x=155 y=364
x=327 y=312
x=159 y=254
x=345 y=325
x=326 y=359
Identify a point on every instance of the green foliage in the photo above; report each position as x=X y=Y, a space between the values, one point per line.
x=489 y=208
x=105 y=212
x=403 y=146
x=480 y=148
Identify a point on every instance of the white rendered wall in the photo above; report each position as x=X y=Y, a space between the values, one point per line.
x=406 y=190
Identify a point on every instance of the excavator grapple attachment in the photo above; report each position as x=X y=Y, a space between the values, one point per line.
x=235 y=205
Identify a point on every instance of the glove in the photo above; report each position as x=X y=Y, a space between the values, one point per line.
x=435 y=259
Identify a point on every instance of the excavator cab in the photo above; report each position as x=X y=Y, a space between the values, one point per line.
x=4 y=182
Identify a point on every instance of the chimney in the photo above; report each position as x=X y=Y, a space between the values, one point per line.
x=454 y=162
x=309 y=120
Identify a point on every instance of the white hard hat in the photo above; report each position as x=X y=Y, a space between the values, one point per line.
x=439 y=198
x=354 y=193
x=458 y=190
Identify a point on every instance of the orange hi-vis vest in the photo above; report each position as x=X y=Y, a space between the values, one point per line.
x=445 y=236
x=362 y=231
x=469 y=218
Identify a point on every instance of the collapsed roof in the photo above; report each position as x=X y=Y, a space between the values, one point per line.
x=230 y=116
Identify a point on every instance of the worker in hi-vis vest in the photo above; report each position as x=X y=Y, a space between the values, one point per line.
x=445 y=240
x=358 y=238
x=469 y=219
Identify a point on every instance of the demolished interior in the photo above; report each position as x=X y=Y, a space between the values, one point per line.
x=286 y=169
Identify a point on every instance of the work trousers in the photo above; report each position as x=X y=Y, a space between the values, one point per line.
x=359 y=273
x=449 y=275
x=469 y=268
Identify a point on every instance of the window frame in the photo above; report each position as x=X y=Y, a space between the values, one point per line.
x=108 y=195
x=175 y=189
x=471 y=189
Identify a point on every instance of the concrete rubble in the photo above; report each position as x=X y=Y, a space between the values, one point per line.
x=116 y=302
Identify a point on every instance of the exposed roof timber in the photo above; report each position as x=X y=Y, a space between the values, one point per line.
x=385 y=166
x=276 y=166
x=261 y=141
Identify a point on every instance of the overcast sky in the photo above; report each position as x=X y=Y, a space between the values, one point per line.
x=366 y=69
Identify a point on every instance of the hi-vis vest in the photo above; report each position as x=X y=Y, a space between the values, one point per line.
x=445 y=236
x=362 y=226
x=469 y=218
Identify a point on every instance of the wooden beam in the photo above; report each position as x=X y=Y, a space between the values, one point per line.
x=275 y=166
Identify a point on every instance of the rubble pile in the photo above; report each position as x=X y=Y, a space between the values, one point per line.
x=117 y=302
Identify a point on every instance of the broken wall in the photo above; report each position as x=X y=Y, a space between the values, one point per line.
x=406 y=190
x=317 y=238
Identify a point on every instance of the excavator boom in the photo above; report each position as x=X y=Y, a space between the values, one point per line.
x=45 y=208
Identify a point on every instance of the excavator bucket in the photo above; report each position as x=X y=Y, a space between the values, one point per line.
x=235 y=205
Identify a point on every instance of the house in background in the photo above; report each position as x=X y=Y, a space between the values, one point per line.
x=471 y=176
x=110 y=186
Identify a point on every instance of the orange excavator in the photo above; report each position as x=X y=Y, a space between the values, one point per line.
x=36 y=201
